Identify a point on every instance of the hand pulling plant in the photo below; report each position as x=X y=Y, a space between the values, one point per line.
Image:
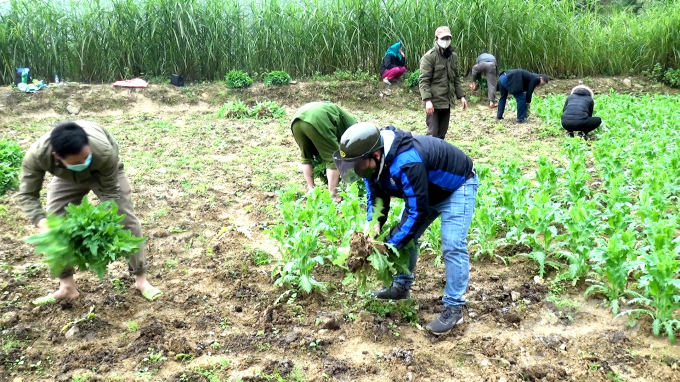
x=361 y=255
x=89 y=237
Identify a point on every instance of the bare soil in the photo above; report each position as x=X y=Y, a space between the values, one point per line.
x=204 y=189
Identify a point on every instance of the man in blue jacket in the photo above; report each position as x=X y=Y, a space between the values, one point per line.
x=435 y=179
x=521 y=84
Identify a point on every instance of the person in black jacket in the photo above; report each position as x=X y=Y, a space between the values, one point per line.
x=577 y=114
x=521 y=84
x=434 y=178
x=393 y=64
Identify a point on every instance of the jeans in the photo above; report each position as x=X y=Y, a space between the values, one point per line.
x=521 y=99
x=456 y=214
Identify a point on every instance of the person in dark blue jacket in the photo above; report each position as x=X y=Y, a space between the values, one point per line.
x=521 y=84
x=434 y=178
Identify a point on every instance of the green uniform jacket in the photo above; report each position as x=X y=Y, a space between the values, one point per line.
x=439 y=79
x=328 y=119
x=39 y=160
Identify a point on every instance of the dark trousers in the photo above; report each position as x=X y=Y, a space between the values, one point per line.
x=584 y=127
x=521 y=99
x=438 y=123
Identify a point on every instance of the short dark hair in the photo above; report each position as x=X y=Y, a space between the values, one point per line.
x=544 y=77
x=68 y=138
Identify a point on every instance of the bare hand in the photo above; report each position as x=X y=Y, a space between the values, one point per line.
x=376 y=230
x=429 y=108
x=42 y=225
x=380 y=247
x=473 y=86
x=464 y=102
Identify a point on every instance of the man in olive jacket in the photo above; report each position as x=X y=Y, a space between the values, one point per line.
x=83 y=157
x=440 y=83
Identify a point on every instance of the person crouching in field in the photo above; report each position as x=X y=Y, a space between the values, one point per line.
x=393 y=64
x=577 y=114
x=83 y=157
x=486 y=65
x=317 y=128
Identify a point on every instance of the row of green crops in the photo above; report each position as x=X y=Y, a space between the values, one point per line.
x=97 y=41
x=604 y=212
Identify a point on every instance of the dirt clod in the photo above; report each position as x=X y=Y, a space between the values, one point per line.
x=361 y=248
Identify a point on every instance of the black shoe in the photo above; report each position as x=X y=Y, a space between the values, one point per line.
x=571 y=134
x=450 y=317
x=394 y=292
x=521 y=121
x=499 y=118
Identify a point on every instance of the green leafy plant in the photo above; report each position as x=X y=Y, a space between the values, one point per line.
x=11 y=156
x=413 y=79
x=261 y=110
x=277 y=77
x=613 y=266
x=237 y=79
x=233 y=109
x=267 y=109
x=89 y=237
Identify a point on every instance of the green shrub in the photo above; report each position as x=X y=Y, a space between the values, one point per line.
x=89 y=237
x=413 y=79
x=277 y=77
x=237 y=79
x=672 y=77
x=236 y=109
x=10 y=163
x=261 y=110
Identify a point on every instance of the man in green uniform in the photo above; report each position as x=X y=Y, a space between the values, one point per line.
x=440 y=83
x=317 y=128
x=83 y=157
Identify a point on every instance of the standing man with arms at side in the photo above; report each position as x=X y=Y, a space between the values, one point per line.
x=440 y=83
x=486 y=65
x=521 y=84
x=83 y=157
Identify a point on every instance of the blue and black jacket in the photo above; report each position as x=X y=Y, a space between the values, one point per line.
x=423 y=171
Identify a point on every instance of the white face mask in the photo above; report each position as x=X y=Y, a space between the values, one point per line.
x=443 y=43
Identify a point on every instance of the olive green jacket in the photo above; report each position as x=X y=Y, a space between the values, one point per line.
x=439 y=79
x=39 y=160
x=328 y=119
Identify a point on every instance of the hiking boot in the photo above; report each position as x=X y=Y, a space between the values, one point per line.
x=521 y=121
x=394 y=292
x=450 y=317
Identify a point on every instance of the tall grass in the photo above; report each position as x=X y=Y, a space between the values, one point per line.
x=203 y=39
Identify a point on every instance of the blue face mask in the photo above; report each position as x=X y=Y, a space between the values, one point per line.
x=82 y=166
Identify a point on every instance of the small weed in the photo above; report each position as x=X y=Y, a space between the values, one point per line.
x=132 y=326
x=79 y=378
x=153 y=357
x=260 y=257
x=119 y=286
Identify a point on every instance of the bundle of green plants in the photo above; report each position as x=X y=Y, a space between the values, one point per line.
x=363 y=258
x=261 y=110
x=237 y=79
x=10 y=163
x=89 y=237
x=277 y=77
